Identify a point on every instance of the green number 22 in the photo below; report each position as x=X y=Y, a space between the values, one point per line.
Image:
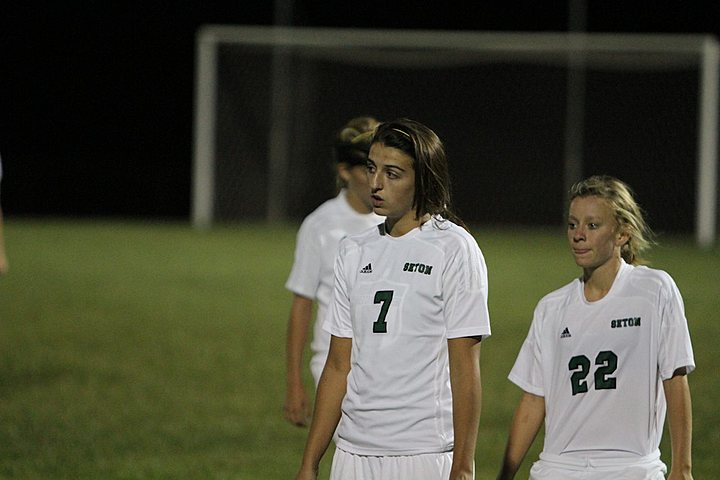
x=384 y=297
x=580 y=366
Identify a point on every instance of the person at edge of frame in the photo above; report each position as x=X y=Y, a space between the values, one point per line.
x=3 y=256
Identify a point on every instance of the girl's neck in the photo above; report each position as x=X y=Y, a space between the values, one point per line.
x=401 y=226
x=598 y=281
x=356 y=203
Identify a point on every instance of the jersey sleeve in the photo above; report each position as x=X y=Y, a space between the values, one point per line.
x=675 y=346
x=527 y=372
x=465 y=292
x=305 y=274
x=339 y=321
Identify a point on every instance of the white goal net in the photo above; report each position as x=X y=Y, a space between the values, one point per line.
x=523 y=115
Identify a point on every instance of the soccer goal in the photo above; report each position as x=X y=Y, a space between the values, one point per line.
x=523 y=116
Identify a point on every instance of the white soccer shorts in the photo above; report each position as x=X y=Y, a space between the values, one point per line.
x=430 y=466
x=553 y=467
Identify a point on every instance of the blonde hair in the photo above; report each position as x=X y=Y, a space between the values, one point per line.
x=352 y=143
x=354 y=127
x=628 y=213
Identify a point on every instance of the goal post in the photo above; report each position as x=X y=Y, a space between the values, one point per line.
x=291 y=62
x=707 y=165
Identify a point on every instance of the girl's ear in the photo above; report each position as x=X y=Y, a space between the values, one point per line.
x=343 y=171
x=622 y=238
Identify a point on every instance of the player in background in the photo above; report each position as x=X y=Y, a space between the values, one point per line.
x=606 y=355
x=402 y=380
x=311 y=278
x=3 y=256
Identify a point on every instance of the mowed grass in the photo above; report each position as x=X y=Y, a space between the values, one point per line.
x=133 y=350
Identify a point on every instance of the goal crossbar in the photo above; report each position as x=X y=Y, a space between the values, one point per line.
x=596 y=50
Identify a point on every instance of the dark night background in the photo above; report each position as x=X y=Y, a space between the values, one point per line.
x=97 y=97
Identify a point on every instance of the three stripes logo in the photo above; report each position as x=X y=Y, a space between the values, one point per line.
x=367 y=268
x=565 y=333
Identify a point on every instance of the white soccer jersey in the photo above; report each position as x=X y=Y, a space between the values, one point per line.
x=312 y=272
x=600 y=365
x=400 y=300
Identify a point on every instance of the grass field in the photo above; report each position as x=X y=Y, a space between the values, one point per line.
x=136 y=350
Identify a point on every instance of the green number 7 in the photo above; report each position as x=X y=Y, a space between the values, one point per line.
x=384 y=297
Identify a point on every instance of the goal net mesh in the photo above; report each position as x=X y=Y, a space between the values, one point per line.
x=501 y=116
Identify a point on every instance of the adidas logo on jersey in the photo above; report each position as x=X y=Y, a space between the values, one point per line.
x=565 y=333
x=367 y=268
